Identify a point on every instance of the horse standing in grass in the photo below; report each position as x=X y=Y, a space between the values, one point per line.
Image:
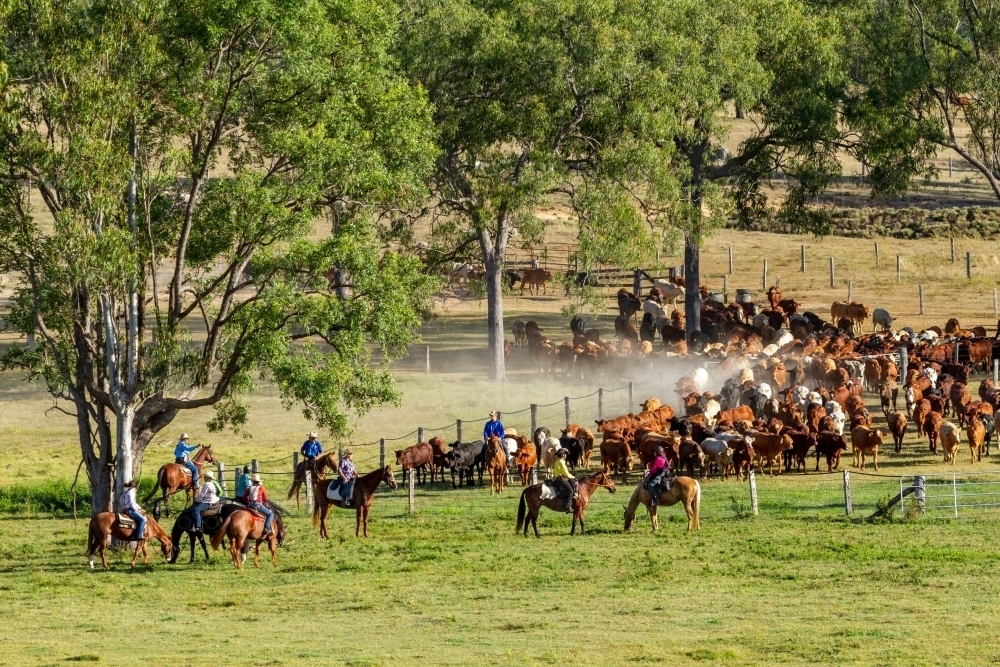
x=173 y=477
x=320 y=465
x=243 y=525
x=496 y=464
x=361 y=500
x=184 y=524
x=682 y=489
x=105 y=525
x=531 y=502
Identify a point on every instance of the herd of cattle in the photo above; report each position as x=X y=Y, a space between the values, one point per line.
x=787 y=385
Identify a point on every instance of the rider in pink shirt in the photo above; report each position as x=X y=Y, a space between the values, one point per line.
x=659 y=469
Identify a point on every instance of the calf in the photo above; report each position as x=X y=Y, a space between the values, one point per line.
x=865 y=441
x=977 y=437
x=830 y=445
x=897 y=426
x=932 y=428
x=769 y=447
x=741 y=459
x=920 y=412
x=801 y=444
x=951 y=440
x=525 y=459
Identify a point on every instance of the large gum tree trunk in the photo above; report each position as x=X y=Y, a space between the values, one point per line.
x=125 y=461
x=494 y=309
x=692 y=281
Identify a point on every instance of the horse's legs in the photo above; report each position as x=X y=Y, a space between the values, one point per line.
x=201 y=538
x=367 y=508
x=256 y=554
x=135 y=556
x=322 y=521
x=272 y=543
x=357 y=522
x=104 y=556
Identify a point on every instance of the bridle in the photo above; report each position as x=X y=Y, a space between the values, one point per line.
x=388 y=478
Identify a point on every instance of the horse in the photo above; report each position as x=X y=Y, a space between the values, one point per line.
x=496 y=464
x=319 y=467
x=361 y=500
x=531 y=502
x=210 y=526
x=172 y=477
x=243 y=524
x=105 y=525
x=682 y=489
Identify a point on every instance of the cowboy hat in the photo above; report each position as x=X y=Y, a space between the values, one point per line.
x=312 y=434
x=184 y=436
x=348 y=452
x=493 y=413
x=209 y=474
x=255 y=477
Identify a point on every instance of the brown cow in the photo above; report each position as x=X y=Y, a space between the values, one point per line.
x=417 y=457
x=951 y=440
x=865 y=441
x=830 y=444
x=535 y=278
x=525 y=459
x=691 y=454
x=442 y=459
x=647 y=442
x=897 y=426
x=733 y=415
x=960 y=397
x=769 y=447
x=801 y=444
x=616 y=456
x=741 y=457
x=932 y=429
x=977 y=436
x=920 y=412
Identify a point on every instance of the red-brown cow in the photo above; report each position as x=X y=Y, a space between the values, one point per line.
x=897 y=426
x=417 y=457
x=535 y=278
x=865 y=441
x=830 y=444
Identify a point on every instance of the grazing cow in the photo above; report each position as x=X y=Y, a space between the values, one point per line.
x=830 y=445
x=769 y=447
x=465 y=458
x=525 y=459
x=977 y=436
x=932 y=429
x=417 y=457
x=520 y=335
x=865 y=441
x=616 y=456
x=951 y=440
x=897 y=426
x=881 y=318
x=535 y=278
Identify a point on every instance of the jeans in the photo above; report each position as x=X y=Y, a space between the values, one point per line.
x=140 y=522
x=654 y=486
x=198 y=509
x=193 y=468
x=347 y=489
x=268 y=515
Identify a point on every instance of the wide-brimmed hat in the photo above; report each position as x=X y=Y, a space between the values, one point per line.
x=209 y=474
x=493 y=413
x=348 y=452
x=255 y=477
x=184 y=436
x=312 y=434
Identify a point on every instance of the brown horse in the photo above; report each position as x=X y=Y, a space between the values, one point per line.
x=496 y=464
x=361 y=500
x=105 y=525
x=243 y=525
x=173 y=477
x=319 y=467
x=531 y=501
x=682 y=489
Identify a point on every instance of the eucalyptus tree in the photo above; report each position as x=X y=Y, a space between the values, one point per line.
x=162 y=166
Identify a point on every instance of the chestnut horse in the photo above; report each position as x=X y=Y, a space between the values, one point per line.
x=243 y=525
x=361 y=500
x=682 y=489
x=320 y=465
x=496 y=464
x=174 y=477
x=531 y=501
x=104 y=526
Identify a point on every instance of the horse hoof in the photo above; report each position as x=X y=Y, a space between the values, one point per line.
x=91 y=565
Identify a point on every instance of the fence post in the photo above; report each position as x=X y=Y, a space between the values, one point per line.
x=764 y=280
x=566 y=405
x=802 y=258
x=996 y=371
x=725 y=288
x=902 y=363
x=458 y=430
x=876 y=254
x=850 y=290
x=753 y=491
x=254 y=466
x=381 y=452
x=534 y=419
x=221 y=468
x=995 y=302
x=534 y=475
x=918 y=492
x=630 y=403
x=427 y=358
x=412 y=484
x=831 y=272
x=420 y=434
x=635 y=282
x=848 y=502
x=958 y=344
x=730 y=259
x=309 y=490
x=954 y=492
x=968 y=265
x=953 y=250
x=898 y=262
x=950 y=172
x=600 y=402
x=920 y=295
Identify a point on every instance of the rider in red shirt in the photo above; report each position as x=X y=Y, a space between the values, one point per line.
x=256 y=499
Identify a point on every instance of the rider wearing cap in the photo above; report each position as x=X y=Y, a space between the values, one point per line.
x=658 y=470
x=256 y=499
x=495 y=427
x=347 y=475
x=181 y=452
x=207 y=496
x=563 y=478
x=130 y=506
x=311 y=449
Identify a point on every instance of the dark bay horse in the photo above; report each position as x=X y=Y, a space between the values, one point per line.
x=361 y=500
x=244 y=525
x=105 y=525
x=210 y=526
x=682 y=489
x=328 y=460
x=173 y=477
x=531 y=503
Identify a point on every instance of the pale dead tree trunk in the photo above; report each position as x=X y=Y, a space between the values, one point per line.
x=493 y=258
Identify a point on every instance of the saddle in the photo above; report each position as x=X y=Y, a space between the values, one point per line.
x=551 y=491
x=213 y=510
x=125 y=521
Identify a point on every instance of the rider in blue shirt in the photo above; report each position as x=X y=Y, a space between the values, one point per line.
x=495 y=427
x=311 y=449
x=181 y=452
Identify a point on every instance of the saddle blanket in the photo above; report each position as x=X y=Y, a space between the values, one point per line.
x=125 y=521
x=548 y=492
x=333 y=492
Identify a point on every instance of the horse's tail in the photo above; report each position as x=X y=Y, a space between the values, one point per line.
x=696 y=505
x=156 y=487
x=522 y=508
x=219 y=536
x=91 y=540
x=293 y=488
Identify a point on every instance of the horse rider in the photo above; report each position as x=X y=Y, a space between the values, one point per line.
x=563 y=478
x=130 y=506
x=207 y=496
x=311 y=449
x=256 y=499
x=347 y=475
x=243 y=483
x=495 y=427
x=658 y=473
x=181 y=452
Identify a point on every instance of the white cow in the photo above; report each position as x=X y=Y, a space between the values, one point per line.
x=671 y=292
